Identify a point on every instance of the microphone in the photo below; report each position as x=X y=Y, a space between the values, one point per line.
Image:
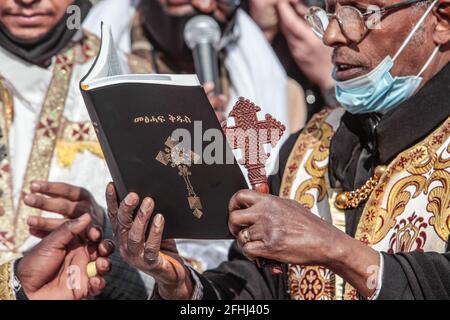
x=202 y=35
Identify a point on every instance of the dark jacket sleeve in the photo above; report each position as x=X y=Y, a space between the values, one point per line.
x=239 y=278
x=416 y=276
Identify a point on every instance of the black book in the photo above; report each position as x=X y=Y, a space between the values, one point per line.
x=161 y=139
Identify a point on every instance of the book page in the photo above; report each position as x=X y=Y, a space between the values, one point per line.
x=113 y=63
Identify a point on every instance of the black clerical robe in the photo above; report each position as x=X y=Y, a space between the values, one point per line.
x=360 y=143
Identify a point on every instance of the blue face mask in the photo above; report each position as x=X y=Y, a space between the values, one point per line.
x=379 y=91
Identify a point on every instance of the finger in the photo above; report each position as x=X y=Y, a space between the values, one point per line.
x=125 y=217
x=103 y=266
x=62 y=206
x=209 y=88
x=62 y=236
x=254 y=250
x=241 y=218
x=153 y=243
x=94 y=234
x=301 y=8
x=254 y=233
x=221 y=117
x=290 y=22
x=204 y=6
x=112 y=204
x=58 y=189
x=106 y=248
x=218 y=103
x=136 y=236
x=45 y=224
x=38 y=234
x=244 y=199
x=96 y=286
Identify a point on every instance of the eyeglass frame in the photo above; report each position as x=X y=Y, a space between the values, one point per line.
x=365 y=15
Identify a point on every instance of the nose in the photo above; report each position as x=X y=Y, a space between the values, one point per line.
x=26 y=2
x=334 y=36
x=205 y=6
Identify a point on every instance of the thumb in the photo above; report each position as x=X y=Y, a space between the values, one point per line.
x=291 y=22
x=68 y=231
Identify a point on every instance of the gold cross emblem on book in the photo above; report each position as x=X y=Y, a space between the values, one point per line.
x=178 y=157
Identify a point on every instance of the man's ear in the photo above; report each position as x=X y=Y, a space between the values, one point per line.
x=441 y=34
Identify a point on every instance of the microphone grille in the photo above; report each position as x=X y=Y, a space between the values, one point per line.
x=202 y=29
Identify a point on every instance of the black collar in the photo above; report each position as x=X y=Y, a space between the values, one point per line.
x=416 y=118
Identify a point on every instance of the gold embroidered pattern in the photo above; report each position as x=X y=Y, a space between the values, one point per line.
x=428 y=174
x=317 y=181
x=13 y=224
x=417 y=161
x=439 y=200
x=311 y=137
x=7 y=101
x=310 y=282
x=6 y=235
x=44 y=140
x=5 y=282
x=76 y=137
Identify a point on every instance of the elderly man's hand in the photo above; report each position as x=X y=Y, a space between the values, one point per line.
x=65 y=199
x=309 y=52
x=280 y=230
x=56 y=269
x=269 y=227
x=159 y=259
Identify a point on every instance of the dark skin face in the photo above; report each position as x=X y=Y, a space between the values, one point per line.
x=378 y=43
x=188 y=7
x=165 y=21
x=32 y=19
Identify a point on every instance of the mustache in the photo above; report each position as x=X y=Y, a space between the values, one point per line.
x=349 y=56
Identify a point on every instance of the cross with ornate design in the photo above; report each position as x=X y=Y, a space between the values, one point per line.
x=250 y=135
x=178 y=157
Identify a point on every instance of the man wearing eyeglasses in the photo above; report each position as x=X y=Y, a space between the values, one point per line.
x=363 y=206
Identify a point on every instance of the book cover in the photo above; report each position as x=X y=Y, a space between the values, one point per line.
x=161 y=139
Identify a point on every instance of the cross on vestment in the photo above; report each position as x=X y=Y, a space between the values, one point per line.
x=178 y=157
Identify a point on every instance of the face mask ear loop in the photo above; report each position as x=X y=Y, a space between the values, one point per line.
x=414 y=30
x=430 y=59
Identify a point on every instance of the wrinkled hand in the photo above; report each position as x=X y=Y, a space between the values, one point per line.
x=284 y=231
x=62 y=198
x=280 y=230
x=219 y=103
x=309 y=52
x=159 y=259
x=56 y=267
